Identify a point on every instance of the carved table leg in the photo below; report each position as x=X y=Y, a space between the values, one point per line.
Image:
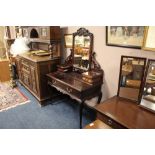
x=81 y=109
x=99 y=97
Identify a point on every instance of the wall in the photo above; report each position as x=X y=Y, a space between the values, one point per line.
x=2 y=48
x=109 y=57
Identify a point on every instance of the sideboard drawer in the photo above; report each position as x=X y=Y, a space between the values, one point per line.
x=25 y=63
x=64 y=87
x=109 y=121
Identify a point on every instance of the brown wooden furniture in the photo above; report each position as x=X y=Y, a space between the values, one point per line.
x=121 y=113
x=72 y=84
x=69 y=80
x=33 y=66
x=46 y=38
x=42 y=32
x=32 y=72
x=4 y=70
x=97 y=124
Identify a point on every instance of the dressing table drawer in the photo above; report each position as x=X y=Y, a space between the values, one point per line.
x=109 y=121
x=63 y=87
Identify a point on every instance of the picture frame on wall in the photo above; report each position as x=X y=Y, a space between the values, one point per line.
x=149 y=38
x=125 y=36
x=68 y=40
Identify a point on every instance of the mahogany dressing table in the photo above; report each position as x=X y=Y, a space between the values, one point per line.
x=124 y=111
x=76 y=77
x=121 y=113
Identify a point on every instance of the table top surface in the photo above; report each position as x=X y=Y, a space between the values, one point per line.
x=127 y=113
x=71 y=79
x=34 y=58
x=4 y=60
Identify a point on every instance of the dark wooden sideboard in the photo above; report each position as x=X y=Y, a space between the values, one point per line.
x=32 y=72
x=121 y=113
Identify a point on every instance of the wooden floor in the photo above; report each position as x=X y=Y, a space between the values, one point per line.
x=4 y=71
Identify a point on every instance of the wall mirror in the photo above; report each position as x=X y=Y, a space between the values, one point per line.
x=148 y=96
x=131 y=77
x=82 y=49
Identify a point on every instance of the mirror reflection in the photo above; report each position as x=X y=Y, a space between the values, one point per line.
x=82 y=52
x=132 y=71
x=148 y=98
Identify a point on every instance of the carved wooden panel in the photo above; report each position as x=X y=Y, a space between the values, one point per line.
x=33 y=79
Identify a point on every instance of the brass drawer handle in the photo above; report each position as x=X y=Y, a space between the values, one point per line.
x=69 y=90
x=110 y=122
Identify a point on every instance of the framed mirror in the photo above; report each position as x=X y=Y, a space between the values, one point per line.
x=82 y=49
x=131 y=78
x=148 y=96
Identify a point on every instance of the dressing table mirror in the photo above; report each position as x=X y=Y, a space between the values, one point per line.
x=131 y=78
x=148 y=97
x=82 y=49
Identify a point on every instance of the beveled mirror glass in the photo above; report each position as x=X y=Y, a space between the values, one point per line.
x=131 y=77
x=82 y=49
x=148 y=98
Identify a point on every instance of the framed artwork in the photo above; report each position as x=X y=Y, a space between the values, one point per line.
x=68 y=40
x=125 y=36
x=149 y=38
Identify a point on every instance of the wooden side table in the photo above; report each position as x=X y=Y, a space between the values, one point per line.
x=97 y=124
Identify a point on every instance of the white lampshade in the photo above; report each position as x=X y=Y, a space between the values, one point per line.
x=19 y=46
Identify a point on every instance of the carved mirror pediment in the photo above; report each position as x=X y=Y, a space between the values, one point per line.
x=131 y=77
x=82 y=49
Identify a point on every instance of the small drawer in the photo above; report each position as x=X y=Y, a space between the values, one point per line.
x=26 y=63
x=69 y=90
x=64 y=87
x=109 y=121
x=26 y=68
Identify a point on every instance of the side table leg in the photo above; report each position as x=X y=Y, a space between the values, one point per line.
x=81 y=109
x=99 y=98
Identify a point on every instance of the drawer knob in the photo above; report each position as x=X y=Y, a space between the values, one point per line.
x=69 y=90
x=110 y=122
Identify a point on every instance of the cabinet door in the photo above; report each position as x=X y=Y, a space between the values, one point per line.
x=33 y=79
x=26 y=79
x=45 y=32
x=18 y=64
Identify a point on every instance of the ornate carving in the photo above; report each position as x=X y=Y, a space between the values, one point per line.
x=52 y=49
x=82 y=32
x=69 y=59
x=95 y=65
